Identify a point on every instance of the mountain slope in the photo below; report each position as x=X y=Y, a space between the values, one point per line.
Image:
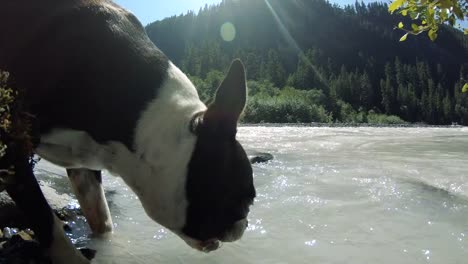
x=352 y=55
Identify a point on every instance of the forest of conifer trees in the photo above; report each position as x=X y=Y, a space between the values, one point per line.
x=312 y=61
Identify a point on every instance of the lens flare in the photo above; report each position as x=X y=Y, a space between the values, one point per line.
x=228 y=32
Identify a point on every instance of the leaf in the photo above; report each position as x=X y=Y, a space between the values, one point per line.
x=395 y=5
x=445 y=3
x=404 y=12
x=400 y=25
x=465 y=88
x=443 y=14
x=415 y=27
x=424 y=22
x=404 y=37
x=458 y=12
x=465 y=31
x=451 y=20
x=431 y=12
x=432 y=34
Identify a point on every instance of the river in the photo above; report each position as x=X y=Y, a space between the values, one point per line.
x=331 y=195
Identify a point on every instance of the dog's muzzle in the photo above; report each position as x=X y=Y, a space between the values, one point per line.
x=235 y=233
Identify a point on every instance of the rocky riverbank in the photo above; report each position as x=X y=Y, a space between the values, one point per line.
x=18 y=244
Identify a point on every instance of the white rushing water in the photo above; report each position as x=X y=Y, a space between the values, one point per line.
x=331 y=195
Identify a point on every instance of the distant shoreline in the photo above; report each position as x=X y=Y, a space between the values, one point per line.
x=409 y=125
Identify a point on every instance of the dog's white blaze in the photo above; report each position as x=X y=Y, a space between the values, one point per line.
x=157 y=170
x=163 y=140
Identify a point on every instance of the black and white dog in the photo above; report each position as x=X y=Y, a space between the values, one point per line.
x=107 y=99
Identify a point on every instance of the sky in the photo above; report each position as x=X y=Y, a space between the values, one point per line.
x=149 y=11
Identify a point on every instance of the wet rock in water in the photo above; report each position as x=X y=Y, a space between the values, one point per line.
x=9 y=232
x=68 y=213
x=25 y=235
x=10 y=215
x=67 y=228
x=259 y=157
x=23 y=248
x=18 y=245
x=55 y=200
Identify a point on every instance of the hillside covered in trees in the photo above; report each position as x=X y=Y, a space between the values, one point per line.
x=311 y=61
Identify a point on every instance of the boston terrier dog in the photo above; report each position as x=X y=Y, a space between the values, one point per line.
x=106 y=98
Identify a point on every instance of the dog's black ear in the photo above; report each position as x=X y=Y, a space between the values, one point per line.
x=230 y=98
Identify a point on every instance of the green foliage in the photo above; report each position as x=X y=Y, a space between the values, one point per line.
x=290 y=106
x=273 y=70
x=16 y=133
x=269 y=104
x=264 y=87
x=403 y=38
x=429 y=15
x=207 y=87
x=349 y=115
x=7 y=97
x=307 y=75
x=465 y=88
x=373 y=118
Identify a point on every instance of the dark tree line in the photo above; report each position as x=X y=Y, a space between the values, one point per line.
x=351 y=56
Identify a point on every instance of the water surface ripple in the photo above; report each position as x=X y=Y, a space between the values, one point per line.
x=332 y=195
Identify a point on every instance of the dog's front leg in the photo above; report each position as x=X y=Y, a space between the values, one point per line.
x=48 y=228
x=87 y=186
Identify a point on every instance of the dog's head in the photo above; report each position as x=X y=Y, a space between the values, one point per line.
x=219 y=185
x=205 y=192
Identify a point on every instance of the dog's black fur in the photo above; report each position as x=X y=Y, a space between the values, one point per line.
x=72 y=62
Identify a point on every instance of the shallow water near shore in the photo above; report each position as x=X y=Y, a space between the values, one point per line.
x=331 y=195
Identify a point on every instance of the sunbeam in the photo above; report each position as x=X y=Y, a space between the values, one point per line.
x=291 y=41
